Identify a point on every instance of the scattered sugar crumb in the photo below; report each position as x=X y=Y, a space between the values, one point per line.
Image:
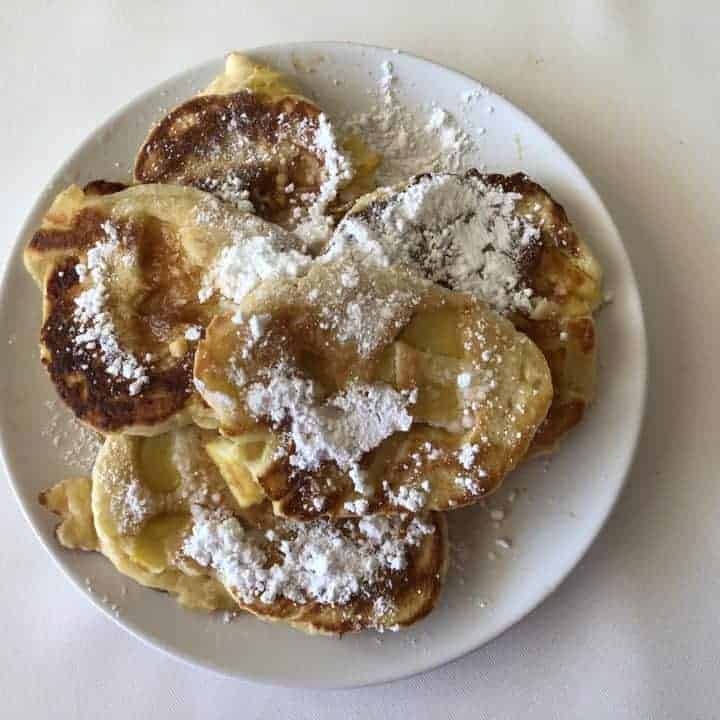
x=104 y=599
x=410 y=498
x=193 y=333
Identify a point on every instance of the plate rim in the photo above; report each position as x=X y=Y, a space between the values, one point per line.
x=39 y=206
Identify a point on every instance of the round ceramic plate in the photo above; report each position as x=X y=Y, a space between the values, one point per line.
x=558 y=508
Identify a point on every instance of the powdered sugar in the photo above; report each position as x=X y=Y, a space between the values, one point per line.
x=468 y=96
x=468 y=484
x=412 y=498
x=350 y=278
x=455 y=230
x=365 y=319
x=287 y=144
x=357 y=507
x=250 y=260
x=133 y=507
x=97 y=328
x=77 y=444
x=410 y=143
x=193 y=333
x=466 y=455
x=338 y=171
x=258 y=324
x=320 y=561
x=360 y=481
x=340 y=429
x=230 y=188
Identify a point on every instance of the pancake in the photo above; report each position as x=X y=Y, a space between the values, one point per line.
x=251 y=136
x=126 y=297
x=70 y=500
x=370 y=390
x=165 y=517
x=142 y=491
x=505 y=239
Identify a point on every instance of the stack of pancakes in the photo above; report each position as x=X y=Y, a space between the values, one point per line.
x=295 y=373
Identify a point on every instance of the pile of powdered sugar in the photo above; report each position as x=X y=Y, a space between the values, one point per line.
x=455 y=230
x=248 y=261
x=340 y=429
x=97 y=332
x=408 y=142
x=324 y=562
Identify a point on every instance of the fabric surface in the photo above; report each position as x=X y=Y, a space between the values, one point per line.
x=631 y=91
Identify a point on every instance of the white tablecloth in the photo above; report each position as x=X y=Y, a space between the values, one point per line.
x=632 y=90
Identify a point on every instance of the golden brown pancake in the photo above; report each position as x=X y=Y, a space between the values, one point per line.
x=181 y=149
x=506 y=240
x=396 y=598
x=450 y=392
x=142 y=489
x=121 y=272
x=165 y=518
x=567 y=275
x=252 y=136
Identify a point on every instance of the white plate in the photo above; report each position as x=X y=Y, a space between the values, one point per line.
x=552 y=523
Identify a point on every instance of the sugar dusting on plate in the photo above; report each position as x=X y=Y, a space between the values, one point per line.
x=78 y=445
x=410 y=141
